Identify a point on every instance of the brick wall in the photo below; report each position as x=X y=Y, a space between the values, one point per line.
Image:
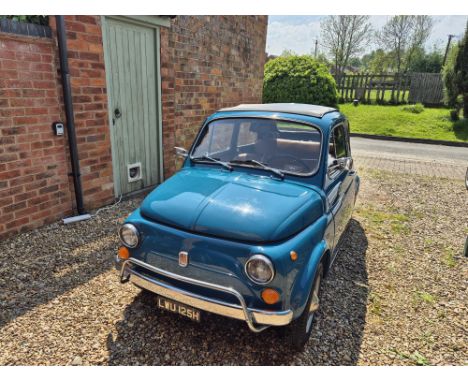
x=207 y=62
x=88 y=82
x=34 y=187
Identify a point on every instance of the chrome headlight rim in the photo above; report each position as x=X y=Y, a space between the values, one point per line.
x=265 y=259
x=134 y=230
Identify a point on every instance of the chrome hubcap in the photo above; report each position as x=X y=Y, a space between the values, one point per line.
x=314 y=305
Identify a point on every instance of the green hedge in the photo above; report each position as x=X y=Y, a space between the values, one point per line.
x=299 y=79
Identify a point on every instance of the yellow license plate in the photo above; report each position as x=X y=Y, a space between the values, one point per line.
x=176 y=307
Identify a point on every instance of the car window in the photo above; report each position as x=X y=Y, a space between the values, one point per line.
x=246 y=135
x=291 y=147
x=340 y=142
x=217 y=138
x=338 y=147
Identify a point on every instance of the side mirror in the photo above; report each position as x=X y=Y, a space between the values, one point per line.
x=340 y=164
x=333 y=167
x=181 y=152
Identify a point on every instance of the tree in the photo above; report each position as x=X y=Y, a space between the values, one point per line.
x=422 y=27
x=450 y=83
x=403 y=35
x=345 y=37
x=322 y=59
x=426 y=62
x=461 y=71
x=288 y=53
x=380 y=62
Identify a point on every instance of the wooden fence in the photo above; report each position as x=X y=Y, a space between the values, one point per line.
x=426 y=88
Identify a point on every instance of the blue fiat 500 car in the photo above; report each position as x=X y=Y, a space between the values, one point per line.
x=250 y=224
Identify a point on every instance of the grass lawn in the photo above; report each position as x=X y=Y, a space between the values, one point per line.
x=432 y=123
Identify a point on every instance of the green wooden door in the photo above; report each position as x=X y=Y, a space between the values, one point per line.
x=132 y=79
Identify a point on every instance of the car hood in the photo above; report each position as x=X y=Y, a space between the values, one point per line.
x=233 y=205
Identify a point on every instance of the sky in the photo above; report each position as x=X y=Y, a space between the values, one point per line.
x=298 y=33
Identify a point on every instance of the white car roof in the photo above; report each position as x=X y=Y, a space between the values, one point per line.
x=293 y=108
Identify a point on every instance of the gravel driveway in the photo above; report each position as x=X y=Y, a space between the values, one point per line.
x=396 y=293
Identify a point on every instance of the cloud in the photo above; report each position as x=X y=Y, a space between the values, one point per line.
x=292 y=34
x=298 y=33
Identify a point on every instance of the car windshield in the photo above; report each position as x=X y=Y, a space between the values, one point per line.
x=288 y=147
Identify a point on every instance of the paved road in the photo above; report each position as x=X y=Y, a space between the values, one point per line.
x=411 y=158
x=405 y=150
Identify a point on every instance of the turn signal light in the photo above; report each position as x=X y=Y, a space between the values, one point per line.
x=124 y=253
x=270 y=296
x=293 y=255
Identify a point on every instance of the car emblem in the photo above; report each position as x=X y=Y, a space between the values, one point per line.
x=183 y=259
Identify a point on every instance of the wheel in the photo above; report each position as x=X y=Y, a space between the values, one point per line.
x=297 y=333
x=466 y=179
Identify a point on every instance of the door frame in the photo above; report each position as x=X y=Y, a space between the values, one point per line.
x=154 y=22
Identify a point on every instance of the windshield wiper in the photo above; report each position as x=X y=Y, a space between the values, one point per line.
x=224 y=164
x=263 y=165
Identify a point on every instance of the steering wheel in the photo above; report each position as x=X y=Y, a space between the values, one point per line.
x=292 y=160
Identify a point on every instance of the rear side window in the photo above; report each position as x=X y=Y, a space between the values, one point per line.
x=338 y=145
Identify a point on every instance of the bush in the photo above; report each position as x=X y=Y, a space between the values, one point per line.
x=451 y=90
x=461 y=70
x=298 y=79
x=416 y=109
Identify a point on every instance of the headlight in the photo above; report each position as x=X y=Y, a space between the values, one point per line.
x=129 y=235
x=259 y=269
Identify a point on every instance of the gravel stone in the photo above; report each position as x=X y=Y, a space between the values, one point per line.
x=396 y=294
x=77 y=361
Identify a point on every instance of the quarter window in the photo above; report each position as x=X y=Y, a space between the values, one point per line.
x=338 y=147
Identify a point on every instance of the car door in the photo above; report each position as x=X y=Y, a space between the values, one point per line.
x=340 y=178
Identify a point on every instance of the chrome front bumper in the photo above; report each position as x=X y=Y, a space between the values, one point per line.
x=257 y=320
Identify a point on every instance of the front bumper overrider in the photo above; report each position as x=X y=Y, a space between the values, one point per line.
x=257 y=320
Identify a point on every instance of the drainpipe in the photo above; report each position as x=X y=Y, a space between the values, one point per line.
x=67 y=99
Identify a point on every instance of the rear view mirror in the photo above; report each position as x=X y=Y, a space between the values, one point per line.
x=181 y=152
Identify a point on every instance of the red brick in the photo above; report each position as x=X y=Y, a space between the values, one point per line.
x=38 y=200
x=9 y=174
x=14 y=207
x=25 y=196
x=26 y=212
x=17 y=223
x=21 y=180
x=8 y=157
x=25 y=120
x=35 y=185
x=7 y=54
x=6 y=201
x=48 y=189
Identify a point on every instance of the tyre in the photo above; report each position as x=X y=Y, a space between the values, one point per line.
x=297 y=333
